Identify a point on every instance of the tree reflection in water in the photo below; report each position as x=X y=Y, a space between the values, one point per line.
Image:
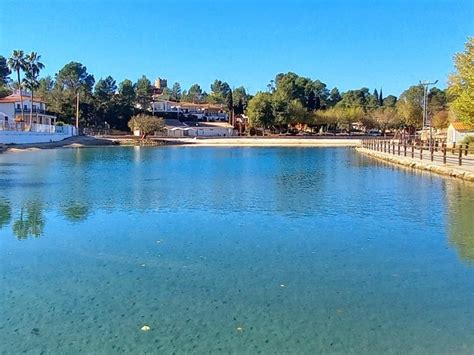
x=5 y=213
x=76 y=212
x=461 y=222
x=30 y=222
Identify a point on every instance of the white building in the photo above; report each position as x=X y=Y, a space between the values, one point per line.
x=457 y=131
x=203 y=112
x=34 y=126
x=10 y=110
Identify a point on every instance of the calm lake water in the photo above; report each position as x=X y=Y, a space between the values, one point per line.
x=242 y=250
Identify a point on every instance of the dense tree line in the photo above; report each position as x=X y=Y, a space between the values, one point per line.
x=290 y=99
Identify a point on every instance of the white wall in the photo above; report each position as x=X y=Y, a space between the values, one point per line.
x=14 y=137
x=455 y=136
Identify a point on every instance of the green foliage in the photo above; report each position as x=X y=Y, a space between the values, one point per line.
x=409 y=106
x=221 y=93
x=461 y=84
x=5 y=213
x=143 y=91
x=146 y=124
x=4 y=71
x=260 y=110
x=176 y=92
x=194 y=94
x=468 y=140
x=240 y=100
x=389 y=101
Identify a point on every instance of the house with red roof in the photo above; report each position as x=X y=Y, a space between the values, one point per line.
x=458 y=131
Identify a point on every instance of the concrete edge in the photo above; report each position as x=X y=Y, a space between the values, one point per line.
x=420 y=165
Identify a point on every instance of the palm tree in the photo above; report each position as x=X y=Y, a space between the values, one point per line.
x=16 y=63
x=33 y=67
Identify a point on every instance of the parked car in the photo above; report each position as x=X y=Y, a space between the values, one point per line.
x=374 y=132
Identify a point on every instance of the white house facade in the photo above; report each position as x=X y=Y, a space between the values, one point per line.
x=458 y=131
x=33 y=126
x=203 y=112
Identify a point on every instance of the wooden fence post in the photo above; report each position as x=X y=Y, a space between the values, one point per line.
x=412 y=150
x=460 y=154
x=421 y=151
x=466 y=147
x=444 y=153
x=405 y=149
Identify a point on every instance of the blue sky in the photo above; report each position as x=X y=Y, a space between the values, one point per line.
x=348 y=44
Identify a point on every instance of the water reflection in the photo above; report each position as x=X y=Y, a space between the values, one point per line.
x=5 y=213
x=30 y=222
x=76 y=211
x=461 y=221
x=288 y=183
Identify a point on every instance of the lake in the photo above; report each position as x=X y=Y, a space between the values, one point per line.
x=242 y=250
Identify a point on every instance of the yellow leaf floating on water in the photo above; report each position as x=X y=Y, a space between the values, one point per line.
x=145 y=328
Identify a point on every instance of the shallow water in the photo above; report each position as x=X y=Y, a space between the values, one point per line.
x=242 y=250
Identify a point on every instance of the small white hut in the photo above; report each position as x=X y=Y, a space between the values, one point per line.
x=458 y=131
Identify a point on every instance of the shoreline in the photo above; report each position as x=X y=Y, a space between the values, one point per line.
x=91 y=141
x=458 y=172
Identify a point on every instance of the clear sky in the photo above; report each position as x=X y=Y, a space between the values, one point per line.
x=349 y=44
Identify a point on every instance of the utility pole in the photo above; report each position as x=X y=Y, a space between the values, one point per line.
x=77 y=113
x=426 y=84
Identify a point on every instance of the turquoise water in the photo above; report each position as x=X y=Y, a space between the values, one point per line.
x=233 y=250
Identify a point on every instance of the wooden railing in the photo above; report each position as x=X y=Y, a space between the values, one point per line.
x=462 y=154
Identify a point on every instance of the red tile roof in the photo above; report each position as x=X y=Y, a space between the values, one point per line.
x=462 y=126
x=16 y=98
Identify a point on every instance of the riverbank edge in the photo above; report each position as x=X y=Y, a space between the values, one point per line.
x=419 y=165
x=89 y=141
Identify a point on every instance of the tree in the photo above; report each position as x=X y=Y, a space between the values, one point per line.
x=221 y=93
x=440 y=119
x=146 y=124
x=45 y=89
x=104 y=92
x=194 y=94
x=4 y=71
x=127 y=90
x=33 y=67
x=385 y=118
x=143 y=93
x=176 y=92
x=334 y=97
x=4 y=77
x=356 y=98
x=259 y=110
x=240 y=100
x=389 y=101
x=17 y=63
x=381 y=98
x=409 y=106
x=72 y=80
x=461 y=84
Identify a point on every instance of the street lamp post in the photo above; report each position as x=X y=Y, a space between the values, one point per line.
x=426 y=84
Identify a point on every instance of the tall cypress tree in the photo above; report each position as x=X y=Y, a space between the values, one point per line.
x=381 y=98
x=376 y=96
